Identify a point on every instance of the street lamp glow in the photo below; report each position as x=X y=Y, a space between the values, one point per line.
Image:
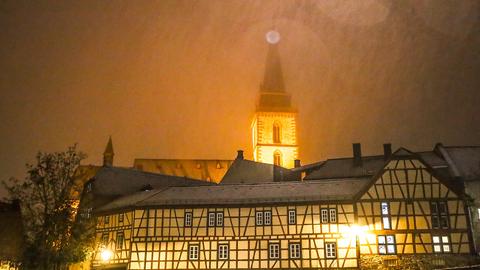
x=356 y=230
x=106 y=254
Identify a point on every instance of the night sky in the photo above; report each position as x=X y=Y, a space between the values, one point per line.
x=180 y=79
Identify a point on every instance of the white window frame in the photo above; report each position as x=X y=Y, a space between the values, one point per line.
x=441 y=244
x=267 y=218
x=211 y=219
x=259 y=218
x=223 y=251
x=219 y=219
x=274 y=251
x=188 y=219
x=331 y=250
x=385 y=211
x=292 y=217
x=120 y=239
x=387 y=244
x=120 y=218
x=332 y=215
x=324 y=215
x=105 y=238
x=193 y=252
x=295 y=250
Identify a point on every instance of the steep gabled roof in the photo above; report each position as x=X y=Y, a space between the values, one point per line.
x=345 y=167
x=243 y=194
x=463 y=161
x=244 y=171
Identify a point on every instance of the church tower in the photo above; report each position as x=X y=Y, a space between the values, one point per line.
x=108 y=154
x=274 y=125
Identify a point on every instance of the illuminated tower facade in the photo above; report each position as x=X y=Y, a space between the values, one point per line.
x=274 y=127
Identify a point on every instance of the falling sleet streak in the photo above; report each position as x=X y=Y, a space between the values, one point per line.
x=180 y=79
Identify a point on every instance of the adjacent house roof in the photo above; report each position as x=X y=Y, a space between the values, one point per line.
x=463 y=161
x=345 y=167
x=211 y=170
x=272 y=192
x=11 y=232
x=244 y=171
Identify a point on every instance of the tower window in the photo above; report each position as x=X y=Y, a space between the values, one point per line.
x=276 y=133
x=277 y=158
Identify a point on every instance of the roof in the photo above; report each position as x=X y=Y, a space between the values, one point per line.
x=344 y=167
x=109 y=147
x=272 y=192
x=211 y=170
x=466 y=160
x=11 y=232
x=244 y=171
x=113 y=182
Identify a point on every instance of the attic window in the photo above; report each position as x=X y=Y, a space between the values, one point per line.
x=219 y=166
x=199 y=166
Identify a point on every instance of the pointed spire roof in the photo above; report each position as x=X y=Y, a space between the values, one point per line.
x=109 y=147
x=273 y=77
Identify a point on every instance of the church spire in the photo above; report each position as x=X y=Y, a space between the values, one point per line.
x=108 y=154
x=272 y=90
x=273 y=77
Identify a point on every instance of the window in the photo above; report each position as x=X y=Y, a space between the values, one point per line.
x=107 y=219
x=120 y=218
x=267 y=218
x=333 y=215
x=385 y=215
x=478 y=211
x=276 y=132
x=219 y=219
x=119 y=242
x=441 y=244
x=330 y=250
x=324 y=215
x=277 y=158
x=439 y=215
x=295 y=250
x=386 y=244
x=292 y=217
x=211 y=219
x=188 y=219
x=87 y=213
x=193 y=252
x=105 y=239
x=88 y=187
x=259 y=218
x=274 y=251
x=223 y=252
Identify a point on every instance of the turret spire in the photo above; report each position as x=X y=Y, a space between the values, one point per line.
x=108 y=154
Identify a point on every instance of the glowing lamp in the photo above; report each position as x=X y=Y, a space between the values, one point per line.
x=356 y=230
x=272 y=37
x=106 y=254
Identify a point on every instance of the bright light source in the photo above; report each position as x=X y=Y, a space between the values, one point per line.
x=356 y=230
x=273 y=37
x=106 y=254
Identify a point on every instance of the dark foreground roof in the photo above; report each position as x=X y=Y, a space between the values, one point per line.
x=243 y=194
x=465 y=161
x=11 y=232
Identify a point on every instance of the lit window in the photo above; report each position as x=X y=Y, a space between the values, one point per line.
x=105 y=239
x=193 y=252
x=107 y=219
x=324 y=215
x=188 y=219
x=331 y=250
x=295 y=250
x=439 y=215
x=223 y=252
x=274 y=251
x=119 y=242
x=120 y=218
x=292 y=217
x=277 y=158
x=276 y=133
x=386 y=244
x=386 y=215
x=478 y=210
x=211 y=219
x=333 y=215
x=267 y=218
x=441 y=244
x=259 y=218
x=219 y=219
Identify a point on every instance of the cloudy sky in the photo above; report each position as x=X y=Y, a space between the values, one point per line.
x=180 y=79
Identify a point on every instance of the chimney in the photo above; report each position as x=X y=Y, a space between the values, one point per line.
x=240 y=154
x=387 y=150
x=357 y=154
x=296 y=163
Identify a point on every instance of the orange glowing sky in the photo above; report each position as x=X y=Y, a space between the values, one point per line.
x=180 y=79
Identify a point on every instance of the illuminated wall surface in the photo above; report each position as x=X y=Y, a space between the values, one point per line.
x=405 y=210
x=263 y=135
